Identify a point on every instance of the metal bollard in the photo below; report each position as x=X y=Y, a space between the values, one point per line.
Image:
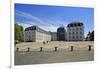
x=17 y=49
x=72 y=48
x=28 y=49
x=41 y=49
x=89 y=48
x=56 y=49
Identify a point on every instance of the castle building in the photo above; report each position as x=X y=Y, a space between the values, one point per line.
x=75 y=31
x=53 y=36
x=36 y=34
x=61 y=34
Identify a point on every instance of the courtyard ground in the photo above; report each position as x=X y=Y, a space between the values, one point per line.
x=48 y=55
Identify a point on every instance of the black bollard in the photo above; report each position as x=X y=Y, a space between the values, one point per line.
x=17 y=49
x=72 y=48
x=89 y=48
x=41 y=49
x=28 y=49
x=43 y=43
x=56 y=49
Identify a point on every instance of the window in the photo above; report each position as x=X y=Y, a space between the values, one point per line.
x=76 y=32
x=74 y=24
x=80 y=36
x=79 y=25
x=80 y=28
x=71 y=25
x=69 y=33
x=69 y=36
x=69 y=29
x=76 y=28
x=76 y=37
x=73 y=37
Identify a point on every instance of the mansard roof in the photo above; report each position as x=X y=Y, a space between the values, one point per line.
x=36 y=28
x=74 y=24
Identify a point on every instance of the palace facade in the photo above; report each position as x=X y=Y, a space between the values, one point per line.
x=73 y=32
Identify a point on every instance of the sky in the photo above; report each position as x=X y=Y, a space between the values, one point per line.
x=51 y=17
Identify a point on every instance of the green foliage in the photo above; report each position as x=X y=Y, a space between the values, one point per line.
x=19 y=33
x=90 y=36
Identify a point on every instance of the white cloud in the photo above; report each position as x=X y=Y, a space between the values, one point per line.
x=48 y=25
x=29 y=16
x=24 y=25
x=85 y=34
x=49 y=28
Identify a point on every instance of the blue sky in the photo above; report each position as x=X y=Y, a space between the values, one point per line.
x=51 y=17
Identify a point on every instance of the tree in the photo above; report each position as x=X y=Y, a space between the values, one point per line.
x=19 y=32
x=90 y=36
